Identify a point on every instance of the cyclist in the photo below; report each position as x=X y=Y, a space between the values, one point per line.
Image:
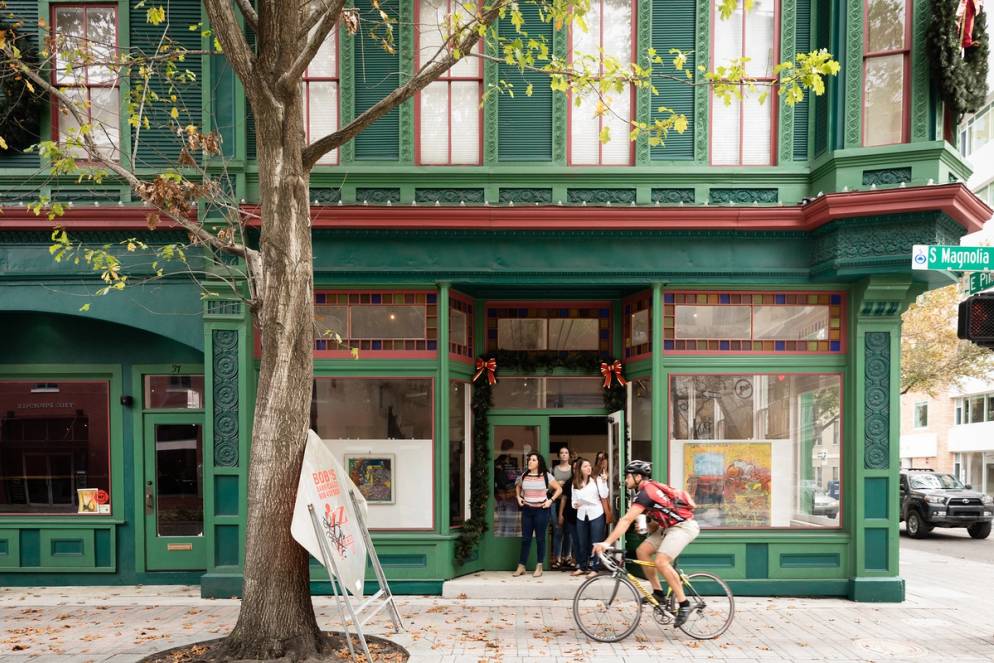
x=672 y=514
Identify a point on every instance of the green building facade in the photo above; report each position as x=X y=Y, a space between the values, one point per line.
x=749 y=276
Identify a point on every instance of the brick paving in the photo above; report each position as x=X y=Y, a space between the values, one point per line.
x=946 y=617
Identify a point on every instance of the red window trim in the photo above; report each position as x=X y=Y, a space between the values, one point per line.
x=327 y=159
x=600 y=121
x=772 y=99
x=55 y=8
x=447 y=78
x=905 y=78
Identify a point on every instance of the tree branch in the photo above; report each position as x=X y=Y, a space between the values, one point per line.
x=329 y=20
x=248 y=11
x=236 y=48
x=427 y=74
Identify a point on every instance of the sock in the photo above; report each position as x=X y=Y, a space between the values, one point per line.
x=685 y=603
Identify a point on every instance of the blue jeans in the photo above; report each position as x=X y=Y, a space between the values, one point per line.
x=562 y=542
x=588 y=533
x=534 y=522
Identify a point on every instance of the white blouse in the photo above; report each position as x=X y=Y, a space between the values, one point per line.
x=587 y=500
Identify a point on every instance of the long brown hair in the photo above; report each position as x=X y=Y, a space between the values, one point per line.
x=601 y=455
x=578 y=481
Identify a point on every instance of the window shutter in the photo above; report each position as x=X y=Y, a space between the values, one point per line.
x=376 y=74
x=803 y=45
x=159 y=145
x=26 y=11
x=673 y=26
x=250 y=148
x=524 y=124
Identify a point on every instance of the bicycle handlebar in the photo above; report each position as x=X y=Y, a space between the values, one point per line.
x=606 y=560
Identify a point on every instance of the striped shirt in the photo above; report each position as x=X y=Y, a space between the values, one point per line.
x=533 y=489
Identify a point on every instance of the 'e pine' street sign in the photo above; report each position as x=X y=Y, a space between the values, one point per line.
x=980 y=281
x=952 y=258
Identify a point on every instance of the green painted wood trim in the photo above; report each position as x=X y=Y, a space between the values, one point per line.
x=877 y=590
x=10 y=549
x=407 y=65
x=67 y=548
x=853 y=64
x=490 y=90
x=442 y=413
x=346 y=103
x=921 y=89
x=560 y=45
x=788 y=48
x=660 y=387
x=643 y=96
x=799 y=561
x=702 y=106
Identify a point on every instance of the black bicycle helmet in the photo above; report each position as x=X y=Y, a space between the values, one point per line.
x=639 y=467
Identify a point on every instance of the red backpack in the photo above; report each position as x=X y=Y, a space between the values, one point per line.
x=670 y=506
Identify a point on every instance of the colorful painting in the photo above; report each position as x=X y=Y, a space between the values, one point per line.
x=730 y=483
x=373 y=475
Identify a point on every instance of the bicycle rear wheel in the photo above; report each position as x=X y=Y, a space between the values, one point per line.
x=711 y=615
x=607 y=608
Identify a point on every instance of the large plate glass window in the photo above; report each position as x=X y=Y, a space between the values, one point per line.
x=758 y=450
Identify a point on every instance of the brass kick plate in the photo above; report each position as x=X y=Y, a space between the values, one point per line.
x=179 y=546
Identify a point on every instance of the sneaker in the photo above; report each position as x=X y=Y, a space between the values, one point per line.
x=682 y=613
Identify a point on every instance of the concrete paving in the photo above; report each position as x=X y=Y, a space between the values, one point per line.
x=946 y=617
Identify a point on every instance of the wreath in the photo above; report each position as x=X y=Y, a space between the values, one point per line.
x=958 y=48
x=21 y=107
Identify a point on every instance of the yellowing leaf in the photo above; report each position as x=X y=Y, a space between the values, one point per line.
x=3 y=143
x=174 y=113
x=84 y=308
x=605 y=135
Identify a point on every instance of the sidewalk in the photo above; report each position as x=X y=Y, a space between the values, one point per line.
x=946 y=616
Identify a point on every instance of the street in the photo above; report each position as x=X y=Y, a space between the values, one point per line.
x=954 y=543
x=946 y=616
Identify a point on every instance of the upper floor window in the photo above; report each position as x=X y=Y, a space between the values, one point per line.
x=377 y=322
x=320 y=83
x=86 y=48
x=887 y=47
x=975 y=409
x=610 y=31
x=541 y=327
x=742 y=130
x=449 y=108
x=977 y=132
x=921 y=414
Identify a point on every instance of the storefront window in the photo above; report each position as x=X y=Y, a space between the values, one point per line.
x=529 y=393
x=459 y=436
x=641 y=425
x=381 y=431
x=751 y=449
x=54 y=441
x=174 y=392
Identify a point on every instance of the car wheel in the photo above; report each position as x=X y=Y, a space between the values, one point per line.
x=917 y=527
x=979 y=530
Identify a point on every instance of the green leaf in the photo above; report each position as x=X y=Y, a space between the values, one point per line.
x=84 y=308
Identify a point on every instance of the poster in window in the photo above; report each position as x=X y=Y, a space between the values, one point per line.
x=730 y=483
x=373 y=475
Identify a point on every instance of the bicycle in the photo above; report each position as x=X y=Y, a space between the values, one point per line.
x=615 y=600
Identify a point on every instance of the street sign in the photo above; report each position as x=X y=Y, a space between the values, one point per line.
x=953 y=258
x=980 y=281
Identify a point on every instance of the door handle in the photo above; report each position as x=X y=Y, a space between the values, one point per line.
x=148 y=497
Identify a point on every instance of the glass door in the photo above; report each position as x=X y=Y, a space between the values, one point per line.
x=619 y=451
x=512 y=438
x=174 y=493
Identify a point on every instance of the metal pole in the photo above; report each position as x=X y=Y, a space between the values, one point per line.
x=381 y=577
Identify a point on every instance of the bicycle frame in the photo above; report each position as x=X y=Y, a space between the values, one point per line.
x=637 y=582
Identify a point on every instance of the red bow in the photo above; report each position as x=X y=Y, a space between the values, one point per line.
x=612 y=370
x=489 y=366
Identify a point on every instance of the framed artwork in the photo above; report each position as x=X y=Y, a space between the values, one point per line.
x=373 y=475
x=730 y=483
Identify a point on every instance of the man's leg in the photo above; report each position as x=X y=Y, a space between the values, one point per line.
x=665 y=566
x=644 y=552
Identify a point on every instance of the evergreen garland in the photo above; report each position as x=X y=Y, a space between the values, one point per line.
x=961 y=77
x=20 y=108
x=538 y=363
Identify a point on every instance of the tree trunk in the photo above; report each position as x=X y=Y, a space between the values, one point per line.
x=277 y=616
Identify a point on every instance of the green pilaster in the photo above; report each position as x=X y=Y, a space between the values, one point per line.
x=228 y=376
x=702 y=106
x=442 y=412
x=853 y=72
x=643 y=96
x=660 y=437
x=407 y=55
x=873 y=461
x=490 y=83
x=788 y=48
x=560 y=43
x=346 y=105
x=921 y=89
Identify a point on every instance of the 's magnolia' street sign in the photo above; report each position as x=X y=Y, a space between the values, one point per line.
x=953 y=258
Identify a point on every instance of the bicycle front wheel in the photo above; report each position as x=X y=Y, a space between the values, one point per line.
x=710 y=615
x=607 y=608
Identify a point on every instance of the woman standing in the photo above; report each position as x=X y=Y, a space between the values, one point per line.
x=568 y=516
x=532 y=489
x=589 y=492
x=561 y=543
x=601 y=472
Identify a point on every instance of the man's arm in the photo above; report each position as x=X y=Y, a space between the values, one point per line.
x=619 y=530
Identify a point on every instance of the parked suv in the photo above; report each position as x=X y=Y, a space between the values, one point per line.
x=930 y=499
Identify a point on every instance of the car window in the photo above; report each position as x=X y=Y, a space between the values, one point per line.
x=935 y=481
